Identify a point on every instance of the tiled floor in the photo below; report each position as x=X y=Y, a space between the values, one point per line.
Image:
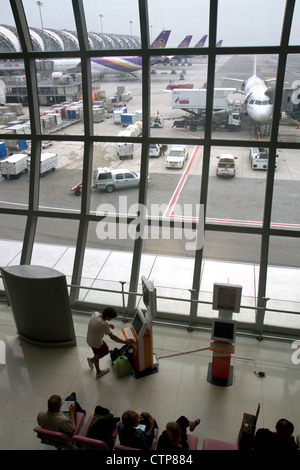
x=32 y=374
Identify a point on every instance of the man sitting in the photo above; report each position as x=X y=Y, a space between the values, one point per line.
x=280 y=440
x=56 y=420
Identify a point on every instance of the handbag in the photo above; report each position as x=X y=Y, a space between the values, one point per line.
x=122 y=366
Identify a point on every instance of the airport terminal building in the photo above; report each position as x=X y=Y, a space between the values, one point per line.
x=114 y=109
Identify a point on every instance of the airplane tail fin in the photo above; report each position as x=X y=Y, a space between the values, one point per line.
x=161 y=41
x=219 y=43
x=201 y=42
x=185 y=43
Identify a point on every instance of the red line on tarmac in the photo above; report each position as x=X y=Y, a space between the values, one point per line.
x=234 y=221
x=181 y=183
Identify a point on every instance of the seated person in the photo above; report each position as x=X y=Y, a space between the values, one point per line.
x=130 y=435
x=280 y=440
x=56 y=420
x=102 y=426
x=174 y=437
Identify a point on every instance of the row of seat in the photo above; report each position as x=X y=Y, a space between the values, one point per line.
x=76 y=441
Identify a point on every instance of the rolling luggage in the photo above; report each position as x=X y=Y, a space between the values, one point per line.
x=247 y=430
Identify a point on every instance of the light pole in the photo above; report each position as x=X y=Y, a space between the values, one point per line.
x=131 y=28
x=101 y=16
x=40 y=4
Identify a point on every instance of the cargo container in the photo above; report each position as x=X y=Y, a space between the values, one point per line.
x=127 y=118
x=2 y=150
x=117 y=113
x=13 y=166
x=49 y=162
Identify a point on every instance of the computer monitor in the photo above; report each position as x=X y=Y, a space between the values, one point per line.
x=149 y=299
x=227 y=297
x=223 y=330
x=139 y=323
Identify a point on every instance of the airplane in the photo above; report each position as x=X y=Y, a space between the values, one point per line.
x=176 y=58
x=219 y=44
x=201 y=42
x=256 y=99
x=109 y=65
x=183 y=59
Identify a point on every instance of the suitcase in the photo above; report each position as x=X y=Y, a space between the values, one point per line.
x=247 y=430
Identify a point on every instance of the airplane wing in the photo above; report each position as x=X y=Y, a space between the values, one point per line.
x=234 y=79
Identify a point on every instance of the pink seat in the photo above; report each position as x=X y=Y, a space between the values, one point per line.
x=192 y=441
x=213 y=444
x=59 y=439
x=54 y=438
x=85 y=443
x=88 y=443
x=120 y=447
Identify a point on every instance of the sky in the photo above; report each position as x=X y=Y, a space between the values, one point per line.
x=240 y=22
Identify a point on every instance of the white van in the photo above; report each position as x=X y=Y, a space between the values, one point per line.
x=156 y=150
x=226 y=165
x=177 y=156
x=109 y=180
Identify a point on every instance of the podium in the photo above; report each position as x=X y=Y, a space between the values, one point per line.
x=226 y=299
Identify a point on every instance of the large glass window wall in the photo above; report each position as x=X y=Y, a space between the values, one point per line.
x=165 y=164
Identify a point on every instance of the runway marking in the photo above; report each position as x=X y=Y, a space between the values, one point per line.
x=180 y=185
x=59 y=209
x=169 y=210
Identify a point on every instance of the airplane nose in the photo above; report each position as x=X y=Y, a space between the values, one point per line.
x=263 y=113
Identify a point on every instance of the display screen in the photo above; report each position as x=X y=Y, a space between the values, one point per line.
x=224 y=330
x=227 y=298
x=137 y=324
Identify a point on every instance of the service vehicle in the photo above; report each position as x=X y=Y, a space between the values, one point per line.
x=157 y=150
x=125 y=150
x=13 y=166
x=226 y=165
x=196 y=98
x=77 y=189
x=108 y=179
x=259 y=158
x=225 y=112
x=156 y=121
x=173 y=85
x=177 y=156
